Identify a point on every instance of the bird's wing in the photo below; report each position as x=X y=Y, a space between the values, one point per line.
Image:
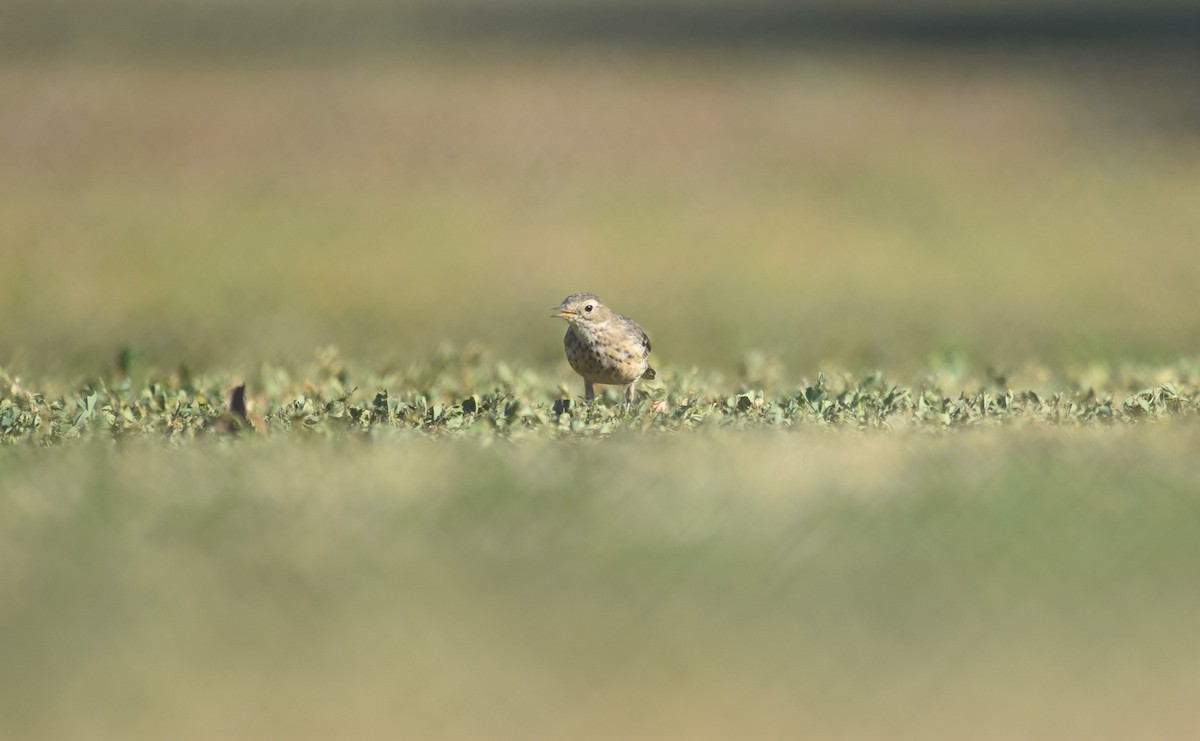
x=636 y=330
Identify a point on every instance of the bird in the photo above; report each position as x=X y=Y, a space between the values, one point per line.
x=603 y=346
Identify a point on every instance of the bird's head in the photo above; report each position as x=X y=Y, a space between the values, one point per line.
x=583 y=309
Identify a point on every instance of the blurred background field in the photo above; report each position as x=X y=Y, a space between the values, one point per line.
x=978 y=194
x=216 y=183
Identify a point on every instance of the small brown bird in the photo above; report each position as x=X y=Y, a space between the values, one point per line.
x=603 y=346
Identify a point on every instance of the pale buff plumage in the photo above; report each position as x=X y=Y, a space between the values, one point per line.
x=603 y=346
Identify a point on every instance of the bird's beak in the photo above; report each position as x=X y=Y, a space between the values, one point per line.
x=562 y=313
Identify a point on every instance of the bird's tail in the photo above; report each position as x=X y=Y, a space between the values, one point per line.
x=649 y=374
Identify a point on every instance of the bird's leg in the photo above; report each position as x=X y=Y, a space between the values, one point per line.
x=629 y=395
x=589 y=391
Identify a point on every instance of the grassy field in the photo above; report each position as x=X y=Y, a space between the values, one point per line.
x=920 y=460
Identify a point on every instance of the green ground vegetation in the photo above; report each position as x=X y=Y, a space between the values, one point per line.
x=469 y=394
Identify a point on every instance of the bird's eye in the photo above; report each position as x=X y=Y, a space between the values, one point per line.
x=588 y=307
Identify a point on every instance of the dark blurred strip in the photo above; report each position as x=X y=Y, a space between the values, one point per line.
x=253 y=29
x=782 y=26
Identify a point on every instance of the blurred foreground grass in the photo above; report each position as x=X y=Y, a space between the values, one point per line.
x=984 y=584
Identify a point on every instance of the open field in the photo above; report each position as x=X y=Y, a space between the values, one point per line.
x=920 y=460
